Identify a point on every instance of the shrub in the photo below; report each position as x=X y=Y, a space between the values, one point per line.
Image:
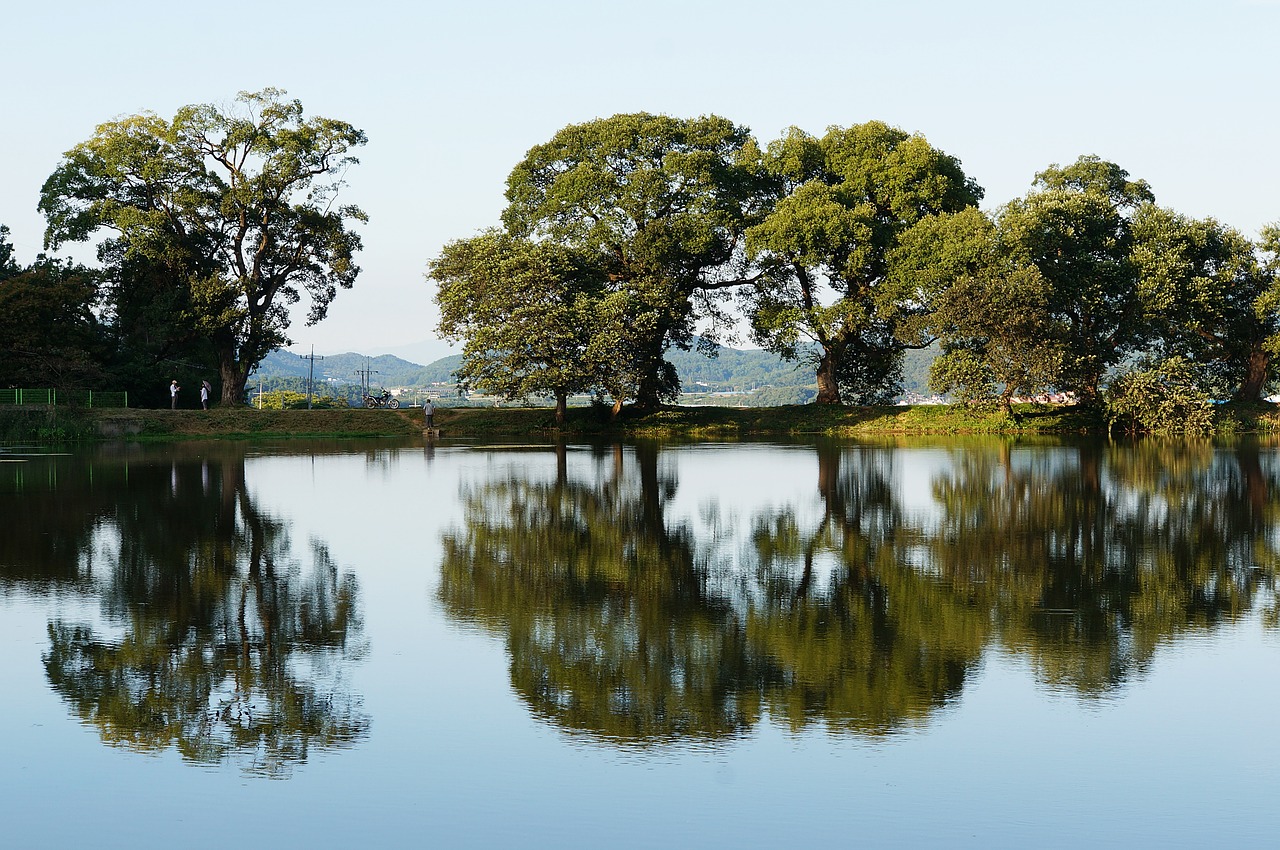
x=1161 y=397
x=290 y=400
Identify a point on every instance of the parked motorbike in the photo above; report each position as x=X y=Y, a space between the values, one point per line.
x=384 y=400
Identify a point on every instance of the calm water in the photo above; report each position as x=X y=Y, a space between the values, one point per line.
x=930 y=642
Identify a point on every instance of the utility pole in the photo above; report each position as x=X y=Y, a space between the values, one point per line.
x=365 y=374
x=311 y=372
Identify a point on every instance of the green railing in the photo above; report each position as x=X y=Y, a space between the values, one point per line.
x=72 y=398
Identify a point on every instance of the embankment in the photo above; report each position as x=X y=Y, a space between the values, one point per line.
x=41 y=424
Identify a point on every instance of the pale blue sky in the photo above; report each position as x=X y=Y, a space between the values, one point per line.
x=1182 y=94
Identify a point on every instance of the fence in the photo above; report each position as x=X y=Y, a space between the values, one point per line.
x=70 y=398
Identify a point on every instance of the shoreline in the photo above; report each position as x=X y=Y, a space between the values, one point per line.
x=66 y=424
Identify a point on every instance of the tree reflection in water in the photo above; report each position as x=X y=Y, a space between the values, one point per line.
x=878 y=644
x=609 y=627
x=229 y=649
x=860 y=615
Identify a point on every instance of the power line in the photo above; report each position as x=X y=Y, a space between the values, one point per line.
x=365 y=374
x=311 y=371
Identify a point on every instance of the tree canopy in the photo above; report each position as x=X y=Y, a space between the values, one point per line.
x=229 y=213
x=627 y=241
x=525 y=310
x=659 y=205
x=841 y=203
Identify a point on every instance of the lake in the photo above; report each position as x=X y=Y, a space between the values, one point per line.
x=966 y=642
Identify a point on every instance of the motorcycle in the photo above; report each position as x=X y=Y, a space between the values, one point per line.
x=385 y=400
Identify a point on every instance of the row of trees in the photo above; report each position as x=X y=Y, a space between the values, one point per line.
x=208 y=227
x=623 y=235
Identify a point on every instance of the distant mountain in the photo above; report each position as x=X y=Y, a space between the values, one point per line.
x=731 y=370
x=425 y=351
x=387 y=370
x=737 y=369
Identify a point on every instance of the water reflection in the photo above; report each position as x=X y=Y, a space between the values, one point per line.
x=855 y=611
x=218 y=636
x=604 y=604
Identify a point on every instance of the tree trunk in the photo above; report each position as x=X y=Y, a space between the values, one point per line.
x=647 y=396
x=1006 y=403
x=1255 y=375
x=233 y=376
x=562 y=405
x=231 y=370
x=828 y=388
x=1089 y=395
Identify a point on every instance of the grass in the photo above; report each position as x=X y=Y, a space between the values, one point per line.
x=69 y=424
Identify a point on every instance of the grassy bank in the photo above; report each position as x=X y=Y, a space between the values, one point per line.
x=36 y=424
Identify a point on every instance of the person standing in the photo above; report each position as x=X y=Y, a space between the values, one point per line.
x=173 y=395
x=429 y=411
x=204 y=395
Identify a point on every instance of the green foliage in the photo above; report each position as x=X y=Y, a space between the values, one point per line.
x=1163 y=397
x=1001 y=321
x=658 y=205
x=989 y=311
x=288 y=400
x=1076 y=232
x=223 y=213
x=49 y=332
x=531 y=315
x=1202 y=286
x=840 y=204
x=1094 y=175
x=8 y=265
x=963 y=374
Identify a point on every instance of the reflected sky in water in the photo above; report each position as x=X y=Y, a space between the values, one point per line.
x=967 y=641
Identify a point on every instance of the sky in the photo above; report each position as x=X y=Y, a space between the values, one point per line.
x=1180 y=93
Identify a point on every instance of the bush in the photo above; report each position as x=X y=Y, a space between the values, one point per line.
x=1163 y=397
x=290 y=400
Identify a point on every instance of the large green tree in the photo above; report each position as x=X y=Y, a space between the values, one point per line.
x=1075 y=228
x=989 y=311
x=525 y=311
x=1202 y=285
x=842 y=202
x=660 y=204
x=235 y=209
